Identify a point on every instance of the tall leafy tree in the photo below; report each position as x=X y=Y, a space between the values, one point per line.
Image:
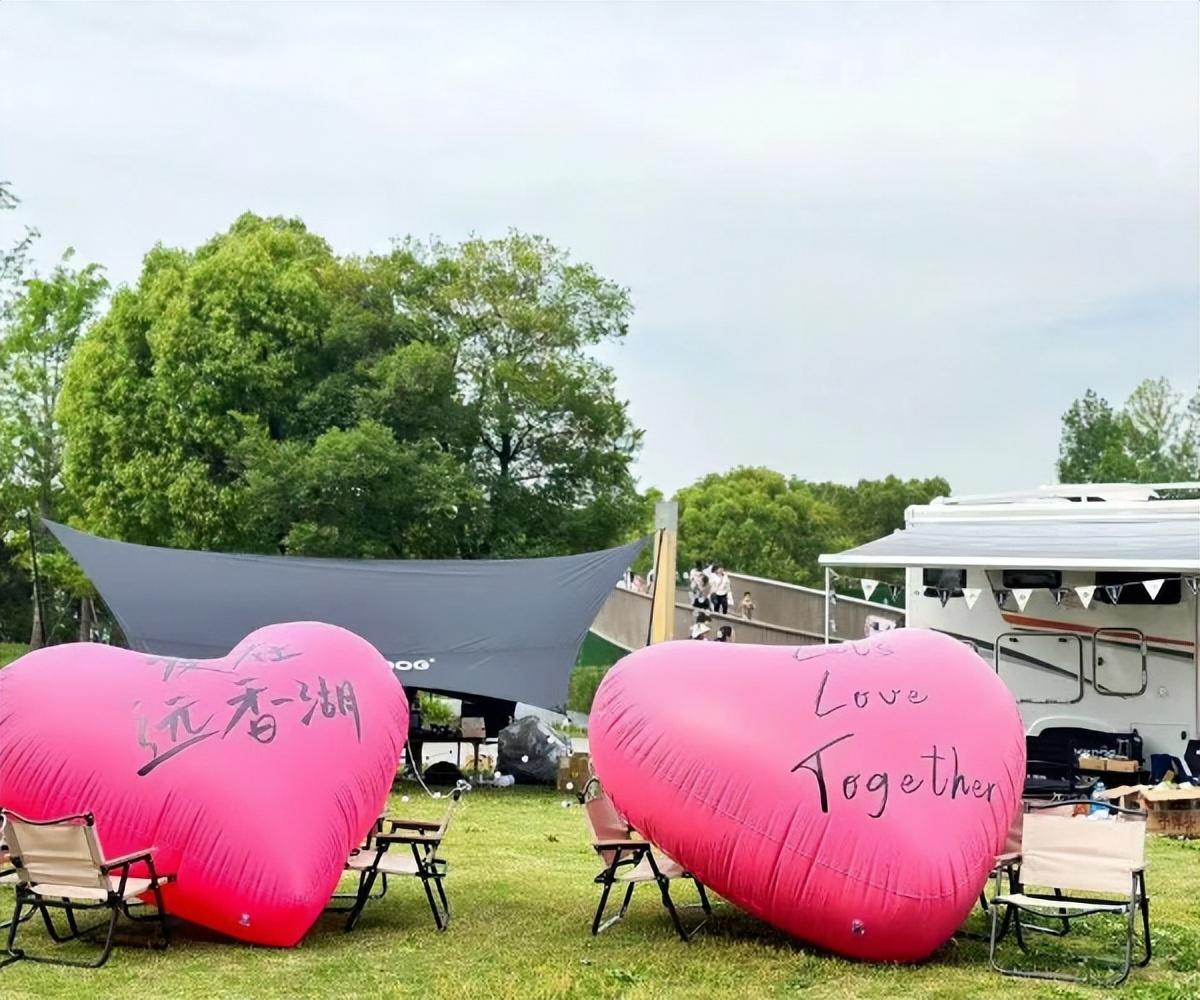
x=262 y=394
x=14 y=255
x=760 y=522
x=875 y=507
x=550 y=441
x=44 y=323
x=757 y=521
x=1154 y=437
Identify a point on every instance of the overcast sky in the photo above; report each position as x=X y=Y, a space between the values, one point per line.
x=861 y=239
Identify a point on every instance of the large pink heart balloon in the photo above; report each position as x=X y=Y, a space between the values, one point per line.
x=252 y=776
x=852 y=795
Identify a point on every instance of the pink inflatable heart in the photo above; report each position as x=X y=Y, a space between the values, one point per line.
x=852 y=795
x=253 y=775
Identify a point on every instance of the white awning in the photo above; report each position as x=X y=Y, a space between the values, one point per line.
x=1169 y=545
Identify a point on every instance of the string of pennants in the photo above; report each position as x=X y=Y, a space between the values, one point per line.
x=1021 y=595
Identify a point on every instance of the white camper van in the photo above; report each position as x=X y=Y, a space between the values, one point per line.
x=1083 y=598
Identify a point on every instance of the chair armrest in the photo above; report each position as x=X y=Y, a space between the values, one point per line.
x=625 y=845
x=125 y=860
x=419 y=825
x=387 y=839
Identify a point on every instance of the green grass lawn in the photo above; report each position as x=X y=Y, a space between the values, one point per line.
x=9 y=651
x=520 y=888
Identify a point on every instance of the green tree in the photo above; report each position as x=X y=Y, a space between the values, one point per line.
x=262 y=394
x=550 y=442
x=44 y=324
x=1154 y=437
x=14 y=256
x=875 y=507
x=759 y=522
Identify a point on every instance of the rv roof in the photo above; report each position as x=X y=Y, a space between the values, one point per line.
x=1044 y=530
x=1076 y=493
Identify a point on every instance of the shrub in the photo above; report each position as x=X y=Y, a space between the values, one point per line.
x=582 y=689
x=435 y=711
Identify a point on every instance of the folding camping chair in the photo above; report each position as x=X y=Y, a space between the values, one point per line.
x=1105 y=857
x=1006 y=864
x=373 y=861
x=59 y=864
x=631 y=862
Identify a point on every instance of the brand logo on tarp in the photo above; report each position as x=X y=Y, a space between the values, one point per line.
x=412 y=664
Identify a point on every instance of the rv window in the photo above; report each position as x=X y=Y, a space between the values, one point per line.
x=937 y=579
x=1016 y=579
x=1132 y=591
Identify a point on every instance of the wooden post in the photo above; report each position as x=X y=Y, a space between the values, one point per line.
x=662 y=600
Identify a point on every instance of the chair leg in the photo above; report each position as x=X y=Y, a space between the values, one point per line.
x=364 y=893
x=437 y=917
x=71 y=919
x=1144 y=905
x=704 y=904
x=162 y=919
x=994 y=936
x=10 y=947
x=105 y=951
x=108 y=941
x=664 y=887
x=597 y=927
x=441 y=891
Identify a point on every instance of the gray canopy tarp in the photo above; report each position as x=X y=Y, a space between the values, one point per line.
x=508 y=629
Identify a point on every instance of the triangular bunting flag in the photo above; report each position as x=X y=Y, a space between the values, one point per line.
x=1152 y=587
x=833 y=598
x=1193 y=583
x=1114 y=592
x=943 y=595
x=971 y=595
x=1085 y=595
x=1001 y=598
x=833 y=628
x=1022 y=595
x=868 y=587
x=894 y=590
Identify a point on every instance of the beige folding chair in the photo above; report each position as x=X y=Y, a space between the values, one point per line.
x=1104 y=857
x=59 y=864
x=1006 y=864
x=631 y=862
x=374 y=861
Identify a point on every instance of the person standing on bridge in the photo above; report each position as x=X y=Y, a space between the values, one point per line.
x=721 y=587
x=746 y=607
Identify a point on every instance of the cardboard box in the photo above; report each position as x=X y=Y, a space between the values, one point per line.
x=575 y=770
x=1121 y=764
x=1171 y=811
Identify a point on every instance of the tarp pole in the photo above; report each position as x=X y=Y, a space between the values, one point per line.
x=828 y=584
x=662 y=600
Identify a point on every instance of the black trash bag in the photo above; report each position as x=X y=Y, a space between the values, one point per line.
x=530 y=738
x=442 y=772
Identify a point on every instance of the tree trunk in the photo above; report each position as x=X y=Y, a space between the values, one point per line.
x=35 y=637
x=87 y=619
